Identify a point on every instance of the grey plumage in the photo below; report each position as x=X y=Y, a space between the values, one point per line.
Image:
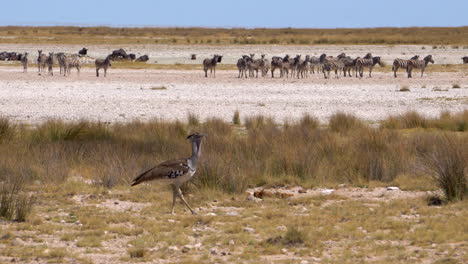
x=175 y=172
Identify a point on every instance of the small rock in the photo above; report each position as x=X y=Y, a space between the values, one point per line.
x=116 y=202
x=249 y=229
x=78 y=222
x=214 y=251
x=342 y=185
x=393 y=188
x=282 y=228
x=327 y=191
x=62 y=221
x=231 y=242
x=302 y=191
x=215 y=201
x=211 y=214
x=17 y=242
x=171 y=220
x=173 y=248
x=284 y=251
x=232 y=213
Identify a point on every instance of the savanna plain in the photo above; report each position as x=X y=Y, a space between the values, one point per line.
x=312 y=170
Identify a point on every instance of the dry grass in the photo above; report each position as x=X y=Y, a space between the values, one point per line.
x=216 y=36
x=412 y=119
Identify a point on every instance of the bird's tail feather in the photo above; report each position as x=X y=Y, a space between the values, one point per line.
x=140 y=178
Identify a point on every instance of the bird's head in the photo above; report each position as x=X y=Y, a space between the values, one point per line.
x=196 y=136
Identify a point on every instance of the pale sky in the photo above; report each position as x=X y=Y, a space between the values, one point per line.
x=239 y=13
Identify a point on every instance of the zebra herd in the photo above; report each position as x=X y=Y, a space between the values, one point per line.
x=297 y=67
x=66 y=62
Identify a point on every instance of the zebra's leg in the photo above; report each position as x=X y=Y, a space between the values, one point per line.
x=105 y=72
x=97 y=72
x=394 y=71
x=422 y=72
x=78 y=69
x=206 y=72
x=370 y=72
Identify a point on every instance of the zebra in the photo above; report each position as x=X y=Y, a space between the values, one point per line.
x=254 y=66
x=103 y=64
x=50 y=63
x=265 y=66
x=367 y=63
x=419 y=64
x=210 y=64
x=330 y=63
x=303 y=67
x=314 y=61
x=276 y=63
x=401 y=63
x=74 y=61
x=294 y=64
x=62 y=62
x=242 y=66
x=24 y=61
x=41 y=61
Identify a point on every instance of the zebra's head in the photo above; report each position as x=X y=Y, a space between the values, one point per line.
x=220 y=57
x=341 y=56
x=368 y=56
x=252 y=55
x=263 y=56
x=322 y=57
x=376 y=60
x=428 y=58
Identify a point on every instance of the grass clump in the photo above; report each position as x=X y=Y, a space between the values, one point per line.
x=445 y=159
x=137 y=252
x=15 y=204
x=456 y=86
x=58 y=130
x=236 y=118
x=343 y=122
x=405 y=89
x=294 y=236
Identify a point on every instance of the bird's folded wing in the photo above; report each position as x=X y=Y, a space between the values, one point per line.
x=167 y=170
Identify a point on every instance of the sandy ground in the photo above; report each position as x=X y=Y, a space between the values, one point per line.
x=169 y=54
x=126 y=95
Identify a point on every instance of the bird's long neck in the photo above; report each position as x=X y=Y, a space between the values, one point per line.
x=196 y=152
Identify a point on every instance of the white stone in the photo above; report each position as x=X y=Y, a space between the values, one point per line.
x=211 y=214
x=249 y=229
x=282 y=228
x=393 y=188
x=327 y=191
x=232 y=213
x=173 y=248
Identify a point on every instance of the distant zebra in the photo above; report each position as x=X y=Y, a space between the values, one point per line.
x=314 y=62
x=367 y=63
x=265 y=66
x=329 y=64
x=24 y=62
x=419 y=64
x=103 y=64
x=303 y=68
x=254 y=66
x=276 y=63
x=41 y=61
x=50 y=63
x=401 y=63
x=465 y=59
x=62 y=62
x=210 y=64
x=242 y=66
x=74 y=61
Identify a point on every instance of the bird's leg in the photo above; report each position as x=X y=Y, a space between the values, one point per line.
x=174 y=197
x=179 y=192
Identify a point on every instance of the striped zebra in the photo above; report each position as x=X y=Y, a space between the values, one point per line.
x=401 y=63
x=103 y=64
x=265 y=67
x=294 y=64
x=314 y=62
x=419 y=64
x=276 y=63
x=254 y=66
x=24 y=62
x=50 y=63
x=303 y=67
x=210 y=64
x=74 y=61
x=242 y=66
x=62 y=62
x=367 y=63
x=329 y=64
x=41 y=61
x=286 y=65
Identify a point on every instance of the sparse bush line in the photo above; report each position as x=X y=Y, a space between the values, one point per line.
x=304 y=152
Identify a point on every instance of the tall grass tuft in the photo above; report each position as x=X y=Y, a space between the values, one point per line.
x=58 y=130
x=342 y=122
x=15 y=204
x=6 y=129
x=445 y=157
x=236 y=118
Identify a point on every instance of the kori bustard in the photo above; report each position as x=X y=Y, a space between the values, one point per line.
x=175 y=172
